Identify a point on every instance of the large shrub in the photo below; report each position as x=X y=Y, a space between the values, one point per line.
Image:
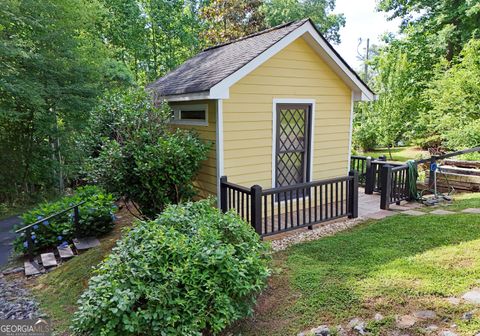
x=96 y=218
x=137 y=153
x=192 y=270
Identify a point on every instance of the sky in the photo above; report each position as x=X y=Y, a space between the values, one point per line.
x=362 y=21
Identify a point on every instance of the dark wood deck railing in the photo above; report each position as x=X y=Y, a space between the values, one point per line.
x=387 y=178
x=276 y=210
x=360 y=164
x=394 y=185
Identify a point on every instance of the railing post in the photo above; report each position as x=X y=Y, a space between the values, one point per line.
x=369 y=177
x=256 y=208
x=223 y=194
x=353 y=194
x=431 y=174
x=76 y=220
x=29 y=244
x=386 y=186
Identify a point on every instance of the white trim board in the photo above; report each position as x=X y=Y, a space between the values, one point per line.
x=219 y=147
x=274 y=130
x=352 y=101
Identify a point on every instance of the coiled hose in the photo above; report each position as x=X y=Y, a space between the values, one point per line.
x=412 y=180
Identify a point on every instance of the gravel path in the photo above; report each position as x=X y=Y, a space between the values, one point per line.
x=15 y=300
x=328 y=229
x=6 y=237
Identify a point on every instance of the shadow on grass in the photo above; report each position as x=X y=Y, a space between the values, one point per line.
x=355 y=272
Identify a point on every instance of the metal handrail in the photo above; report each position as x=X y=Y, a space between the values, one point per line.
x=449 y=155
x=49 y=217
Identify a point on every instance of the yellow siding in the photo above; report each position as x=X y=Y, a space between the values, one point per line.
x=207 y=176
x=295 y=72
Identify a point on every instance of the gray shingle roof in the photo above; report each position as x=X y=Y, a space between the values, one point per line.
x=203 y=71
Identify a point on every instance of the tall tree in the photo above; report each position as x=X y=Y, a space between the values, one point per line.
x=453 y=21
x=52 y=63
x=320 y=11
x=230 y=19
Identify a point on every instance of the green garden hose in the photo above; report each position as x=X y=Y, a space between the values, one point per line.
x=412 y=180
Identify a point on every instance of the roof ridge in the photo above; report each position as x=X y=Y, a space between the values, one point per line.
x=283 y=25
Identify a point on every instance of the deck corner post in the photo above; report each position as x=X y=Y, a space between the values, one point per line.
x=30 y=251
x=223 y=194
x=369 y=176
x=431 y=174
x=353 y=194
x=76 y=220
x=256 y=210
x=386 y=186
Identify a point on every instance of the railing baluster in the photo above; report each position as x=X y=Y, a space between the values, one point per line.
x=341 y=197
x=286 y=208
x=336 y=199
x=298 y=207
x=279 y=213
x=309 y=205
x=323 y=202
x=291 y=208
x=265 y=212
x=303 y=206
x=272 y=211
x=331 y=200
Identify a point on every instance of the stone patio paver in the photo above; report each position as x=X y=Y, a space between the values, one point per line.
x=85 y=243
x=48 y=259
x=406 y=321
x=472 y=210
x=30 y=269
x=442 y=212
x=399 y=207
x=472 y=296
x=414 y=213
x=379 y=214
x=425 y=314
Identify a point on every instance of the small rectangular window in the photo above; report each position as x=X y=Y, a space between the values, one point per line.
x=190 y=114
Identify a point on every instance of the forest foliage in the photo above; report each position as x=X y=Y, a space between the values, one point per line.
x=62 y=59
x=426 y=78
x=59 y=58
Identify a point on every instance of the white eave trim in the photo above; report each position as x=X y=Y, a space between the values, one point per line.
x=187 y=97
x=221 y=90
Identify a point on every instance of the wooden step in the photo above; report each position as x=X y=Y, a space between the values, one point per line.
x=32 y=268
x=85 y=243
x=65 y=252
x=48 y=259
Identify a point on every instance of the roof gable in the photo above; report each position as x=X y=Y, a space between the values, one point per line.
x=211 y=73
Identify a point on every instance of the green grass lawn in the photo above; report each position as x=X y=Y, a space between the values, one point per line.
x=400 y=154
x=392 y=266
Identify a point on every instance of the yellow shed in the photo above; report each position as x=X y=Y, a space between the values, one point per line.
x=278 y=105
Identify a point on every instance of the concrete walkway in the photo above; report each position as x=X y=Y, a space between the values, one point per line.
x=369 y=206
x=6 y=237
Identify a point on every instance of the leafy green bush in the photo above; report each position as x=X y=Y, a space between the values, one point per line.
x=137 y=153
x=192 y=270
x=96 y=218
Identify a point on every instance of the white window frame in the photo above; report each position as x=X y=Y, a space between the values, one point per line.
x=177 y=115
